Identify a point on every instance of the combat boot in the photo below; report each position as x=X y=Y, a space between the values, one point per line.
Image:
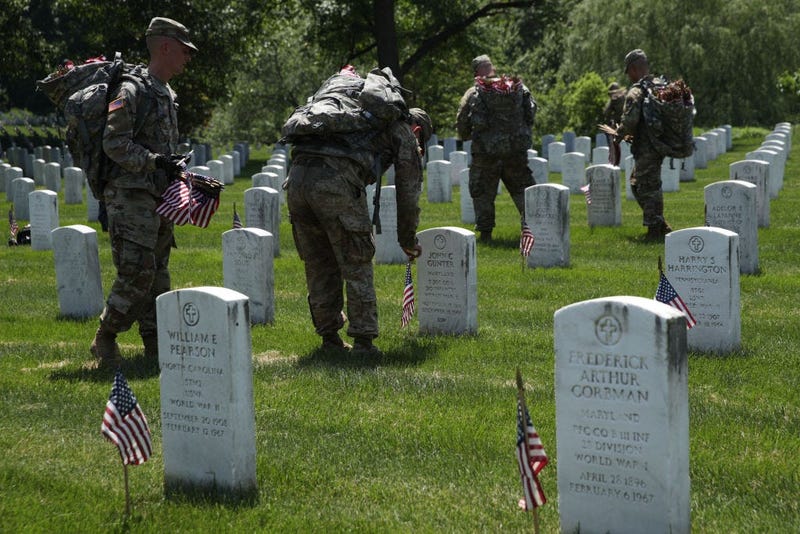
x=104 y=346
x=362 y=346
x=333 y=342
x=486 y=237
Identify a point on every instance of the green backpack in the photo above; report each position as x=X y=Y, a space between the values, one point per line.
x=82 y=93
x=668 y=111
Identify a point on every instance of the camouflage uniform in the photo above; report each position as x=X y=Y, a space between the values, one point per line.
x=612 y=113
x=646 y=175
x=140 y=238
x=496 y=155
x=331 y=225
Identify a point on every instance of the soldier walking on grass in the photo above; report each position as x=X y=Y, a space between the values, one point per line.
x=145 y=163
x=497 y=114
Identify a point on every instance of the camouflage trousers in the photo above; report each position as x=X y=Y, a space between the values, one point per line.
x=485 y=173
x=141 y=241
x=646 y=187
x=333 y=235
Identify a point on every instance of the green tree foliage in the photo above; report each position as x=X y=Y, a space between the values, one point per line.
x=729 y=52
x=42 y=33
x=584 y=103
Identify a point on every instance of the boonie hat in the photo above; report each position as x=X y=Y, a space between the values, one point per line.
x=480 y=60
x=634 y=56
x=170 y=28
x=419 y=116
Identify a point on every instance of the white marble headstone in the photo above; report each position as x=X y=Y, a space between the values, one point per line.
x=262 y=209
x=438 y=183
x=774 y=181
x=539 y=170
x=52 y=176
x=247 y=267
x=22 y=187
x=73 y=185
x=670 y=175
x=583 y=144
x=555 y=153
x=11 y=174
x=447 y=292
x=547 y=215
x=459 y=160
x=731 y=204
x=546 y=140
x=573 y=172
x=604 y=187
x=622 y=417
x=387 y=249
x=43 y=210
x=207 y=409
x=216 y=169
x=467 y=206
x=700 y=152
x=600 y=155
x=435 y=153
x=686 y=166
x=80 y=288
x=755 y=172
x=702 y=264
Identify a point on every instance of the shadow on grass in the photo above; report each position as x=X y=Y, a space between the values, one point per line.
x=137 y=367
x=413 y=351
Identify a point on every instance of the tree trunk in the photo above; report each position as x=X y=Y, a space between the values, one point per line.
x=386 y=35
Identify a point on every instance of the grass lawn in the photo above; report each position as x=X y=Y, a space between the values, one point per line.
x=422 y=440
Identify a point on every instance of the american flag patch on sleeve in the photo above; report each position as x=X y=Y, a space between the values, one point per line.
x=116 y=104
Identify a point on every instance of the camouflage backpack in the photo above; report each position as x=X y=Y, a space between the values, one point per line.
x=502 y=115
x=82 y=93
x=348 y=107
x=668 y=112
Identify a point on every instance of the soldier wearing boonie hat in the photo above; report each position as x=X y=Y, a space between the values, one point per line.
x=140 y=139
x=170 y=28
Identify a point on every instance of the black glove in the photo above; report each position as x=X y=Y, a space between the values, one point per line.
x=172 y=165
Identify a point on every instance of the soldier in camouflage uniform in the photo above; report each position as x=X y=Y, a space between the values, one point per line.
x=493 y=157
x=332 y=229
x=646 y=175
x=612 y=113
x=145 y=164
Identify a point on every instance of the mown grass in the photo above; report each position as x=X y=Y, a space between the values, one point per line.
x=422 y=440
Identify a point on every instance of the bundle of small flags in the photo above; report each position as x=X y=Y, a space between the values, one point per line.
x=667 y=294
x=13 y=227
x=191 y=198
x=526 y=240
x=502 y=85
x=408 y=298
x=587 y=192
x=125 y=425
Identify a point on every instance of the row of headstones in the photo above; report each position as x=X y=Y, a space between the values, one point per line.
x=619 y=361
x=22 y=158
x=50 y=175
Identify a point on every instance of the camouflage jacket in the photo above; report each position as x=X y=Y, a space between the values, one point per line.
x=491 y=133
x=135 y=152
x=396 y=145
x=612 y=113
x=632 y=122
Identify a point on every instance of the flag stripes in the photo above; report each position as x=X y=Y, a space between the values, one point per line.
x=125 y=425
x=666 y=293
x=408 y=298
x=526 y=240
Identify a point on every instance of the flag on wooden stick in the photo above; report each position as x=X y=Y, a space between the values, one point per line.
x=530 y=453
x=408 y=298
x=125 y=425
x=526 y=240
x=237 y=222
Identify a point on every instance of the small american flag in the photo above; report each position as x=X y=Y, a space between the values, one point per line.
x=182 y=203
x=587 y=192
x=530 y=455
x=13 y=226
x=237 y=222
x=408 y=298
x=667 y=294
x=526 y=240
x=176 y=202
x=203 y=208
x=125 y=425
